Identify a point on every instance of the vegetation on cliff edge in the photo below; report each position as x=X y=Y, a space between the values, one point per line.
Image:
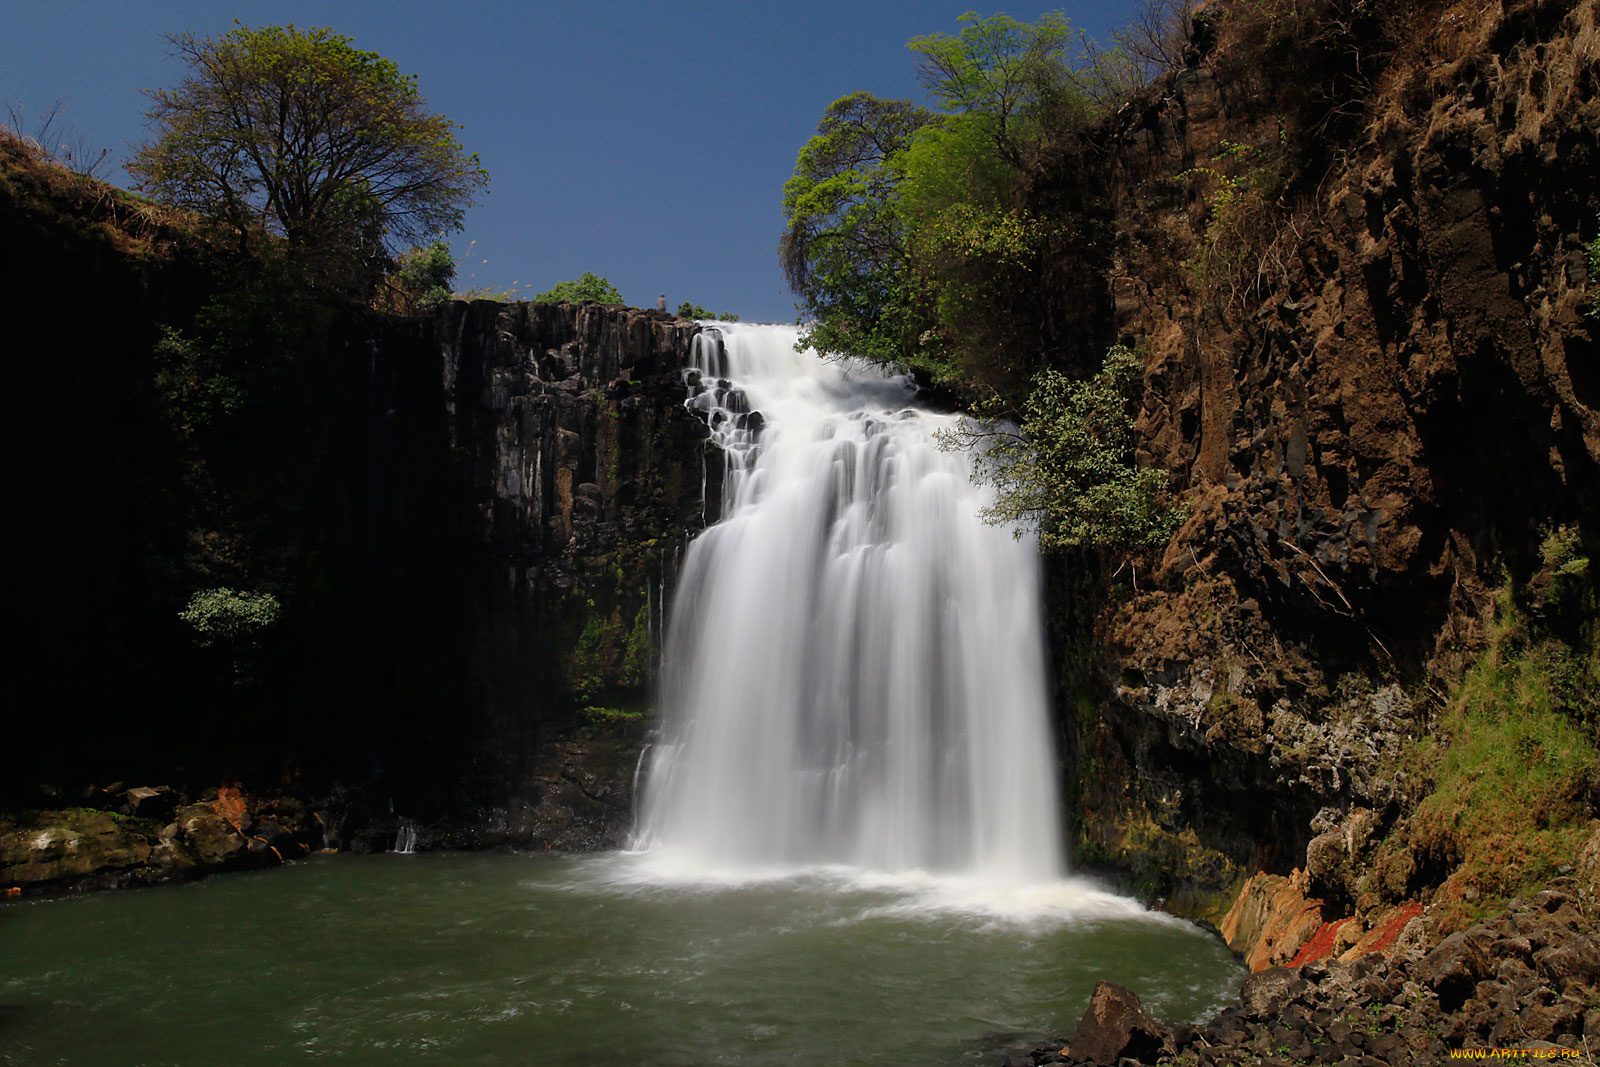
x=586 y=286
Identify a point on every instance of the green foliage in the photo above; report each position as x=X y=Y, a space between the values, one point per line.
x=636 y=654
x=687 y=310
x=1568 y=601
x=976 y=261
x=421 y=280
x=229 y=626
x=587 y=286
x=600 y=660
x=229 y=617
x=1562 y=551
x=845 y=247
x=1241 y=255
x=598 y=715
x=302 y=135
x=1069 y=472
x=200 y=389
x=1509 y=799
x=1010 y=79
x=1506 y=782
x=909 y=238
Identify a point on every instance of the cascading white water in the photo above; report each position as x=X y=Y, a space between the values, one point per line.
x=854 y=671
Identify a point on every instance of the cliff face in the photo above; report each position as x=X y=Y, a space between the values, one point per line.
x=531 y=478
x=1379 y=391
x=471 y=526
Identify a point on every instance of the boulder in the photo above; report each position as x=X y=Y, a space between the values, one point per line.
x=1573 y=962
x=1336 y=860
x=146 y=802
x=1115 y=1027
x=1454 y=969
x=1265 y=993
x=211 y=839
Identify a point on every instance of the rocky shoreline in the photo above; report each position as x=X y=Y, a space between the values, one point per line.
x=1526 y=983
x=149 y=835
x=1528 y=979
x=577 y=797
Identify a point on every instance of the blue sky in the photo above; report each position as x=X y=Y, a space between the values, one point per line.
x=647 y=142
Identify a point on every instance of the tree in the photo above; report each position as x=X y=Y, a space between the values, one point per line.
x=305 y=136
x=1014 y=78
x=845 y=248
x=587 y=286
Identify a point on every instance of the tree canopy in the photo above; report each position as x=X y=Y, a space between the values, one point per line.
x=301 y=134
x=907 y=236
x=946 y=239
x=845 y=249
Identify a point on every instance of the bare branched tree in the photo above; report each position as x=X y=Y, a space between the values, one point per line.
x=50 y=135
x=1156 y=36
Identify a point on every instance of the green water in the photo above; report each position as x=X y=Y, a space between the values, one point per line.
x=494 y=959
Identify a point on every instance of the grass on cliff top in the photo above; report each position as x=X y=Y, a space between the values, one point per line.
x=1513 y=767
x=36 y=185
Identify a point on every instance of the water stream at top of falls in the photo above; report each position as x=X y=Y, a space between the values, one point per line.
x=854 y=671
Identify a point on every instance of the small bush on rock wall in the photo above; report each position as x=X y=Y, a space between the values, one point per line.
x=1069 y=470
x=230 y=625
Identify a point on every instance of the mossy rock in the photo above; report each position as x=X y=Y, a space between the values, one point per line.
x=64 y=845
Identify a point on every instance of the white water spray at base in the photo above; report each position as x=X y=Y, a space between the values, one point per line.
x=854 y=669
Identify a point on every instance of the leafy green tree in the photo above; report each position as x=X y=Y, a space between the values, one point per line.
x=845 y=248
x=1069 y=470
x=232 y=625
x=303 y=135
x=1011 y=78
x=909 y=233
x=587 y=286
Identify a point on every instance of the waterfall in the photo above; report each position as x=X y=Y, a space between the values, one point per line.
x=854 y=670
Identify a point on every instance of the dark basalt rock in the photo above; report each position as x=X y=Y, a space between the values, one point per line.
x=1266 y=992
x=1410 y=1008
x=1115 y=1027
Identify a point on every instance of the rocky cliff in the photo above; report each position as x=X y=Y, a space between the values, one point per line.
x=1354 y=255
x=470 y=522
x=530 y=478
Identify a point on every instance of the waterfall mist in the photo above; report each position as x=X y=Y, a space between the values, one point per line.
x=854 y=668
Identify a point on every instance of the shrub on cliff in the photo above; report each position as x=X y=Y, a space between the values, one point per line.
x=421 y=280
x=687 y=310
x=231 y=625
x=587 y=286
x=1069 y=471
x=300 y=134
